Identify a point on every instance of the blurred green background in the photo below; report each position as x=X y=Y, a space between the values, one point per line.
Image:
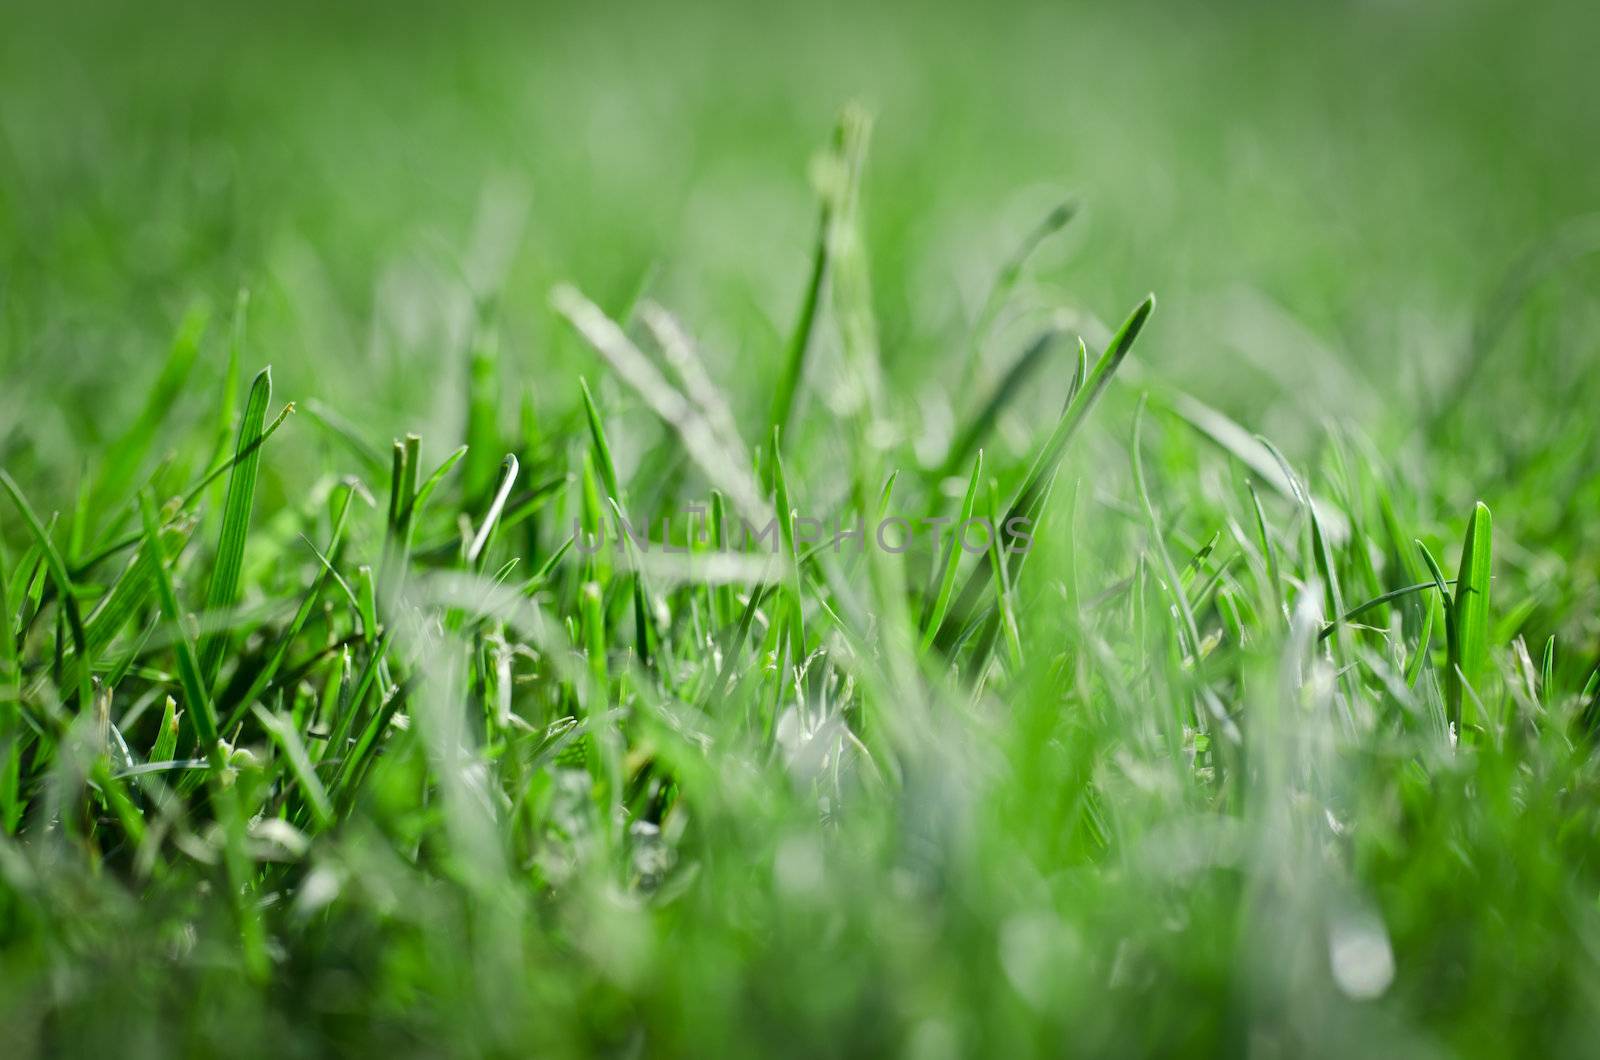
x=1323 y=195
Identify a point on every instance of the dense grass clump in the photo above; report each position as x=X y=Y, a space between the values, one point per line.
x=646 y=672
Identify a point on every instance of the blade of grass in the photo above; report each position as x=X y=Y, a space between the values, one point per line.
x=224 y=590
x=1169 y=571
x=287 y=738
x=480 y=541
x=1438 y=574
x=1256 y=454
x=604 y=463
x=791 y=556
x=57 y=568
x=978 y=428
x=634 y=368
x=403 y=474
x=1273 y=590
x=1030 y=496
x=1005 y=612
x=952 y=559
x=166 y=745
x=127 y=595
x=308 y=604
x=1424 y=642
x=420 y=501
x=201 y=716
x=189 y=498
x=11 y=721
x=844 y=157
x=1469 y=664
x=1376 y=602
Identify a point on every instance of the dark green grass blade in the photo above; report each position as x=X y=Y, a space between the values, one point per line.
x=201 y=715
x=643 y=626
x=1376 y=602
x=224 y=590
x=1269 y=554
x=361 y=752
x=791 y=555
x=735 y=645
x=313 y=596
x=1328 y=571
x=350 y=694
x=1049 y=457
x=403 y=475
x=541 y=577
x=10 y=674
x=721 y=595
x=1470 y=613
x=57 y=568
x=1446 y=608
x=166 y=744
x=287 y=739
x=1005 y=612
x=794 y=359
x=401 y=482
x=124 y=543
x=1009 y=387
x=128 y=594
x=1438 y=574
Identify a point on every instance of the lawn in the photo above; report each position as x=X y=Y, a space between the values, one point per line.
x=852 y=530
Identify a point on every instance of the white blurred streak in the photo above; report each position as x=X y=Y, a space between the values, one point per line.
x=702 y=568
x=1359 y=954
x=699 y=438
x=679 y=350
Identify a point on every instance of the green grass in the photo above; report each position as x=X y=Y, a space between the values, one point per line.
x=305 y=749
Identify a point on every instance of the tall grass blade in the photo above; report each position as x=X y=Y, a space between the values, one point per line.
x=950 y=564
x=224 y=590
x=982 y=423
x=65 y=591
x=195 y=690
x=1030 y=496
x=844 y=157
x=1469 y=663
